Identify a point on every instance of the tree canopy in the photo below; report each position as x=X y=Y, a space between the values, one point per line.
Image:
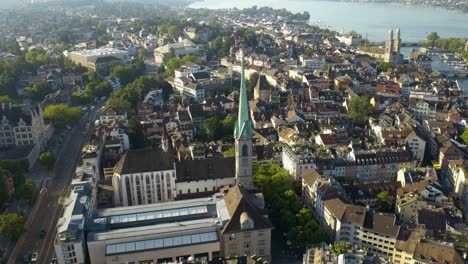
x=286 y=211
x=231 y=152
x=128 y=74
x=61 y=115
x=39 y=90
x=384 y=201
x=47 y=159
x=359 y=109
x=3 y=189
x=432 y=38
x=135 y=133
x=175 y=62
x=464 y=136
x=11 y=226
x=219 y=127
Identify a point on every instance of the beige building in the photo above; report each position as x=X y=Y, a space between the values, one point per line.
x=97 y=58
x=409 y=201
x=248 y=231
x=412 y=249
x=351 y=223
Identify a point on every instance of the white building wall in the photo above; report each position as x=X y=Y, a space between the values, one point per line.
x=204 y=185
x=67 y=252
x=152 y=187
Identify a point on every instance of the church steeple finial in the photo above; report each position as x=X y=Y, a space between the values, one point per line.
x=244 y=124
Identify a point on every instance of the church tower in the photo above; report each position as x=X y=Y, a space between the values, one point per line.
x=164 y=139
x=397 y=42
x=388 y=56
x=243 y=135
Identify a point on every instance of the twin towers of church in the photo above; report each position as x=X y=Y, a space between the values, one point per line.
x=243 y=135
x=392 y=48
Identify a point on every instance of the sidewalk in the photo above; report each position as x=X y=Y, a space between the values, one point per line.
x=39 y=174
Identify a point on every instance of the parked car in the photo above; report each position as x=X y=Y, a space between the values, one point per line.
x=26 y=257
x=54 y=260
x=42 y=234
x=34 y=257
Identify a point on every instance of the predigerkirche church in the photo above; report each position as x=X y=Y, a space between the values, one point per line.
x=232 y=222
x=155 y=175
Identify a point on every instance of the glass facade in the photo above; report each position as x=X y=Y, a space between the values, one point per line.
x=158 y=214
x=161 y=243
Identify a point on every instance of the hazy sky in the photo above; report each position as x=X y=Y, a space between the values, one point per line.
x=9 y=3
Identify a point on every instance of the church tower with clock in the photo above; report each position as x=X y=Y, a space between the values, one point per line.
x=243 y=135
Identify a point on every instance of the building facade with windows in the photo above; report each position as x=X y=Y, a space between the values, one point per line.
x=144 y=177
x=70 y=242
x=230 y=223
x=20 y=127
x=248 y=232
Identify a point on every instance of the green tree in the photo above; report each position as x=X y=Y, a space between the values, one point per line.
x=231 y=152
x=39 y=90
x=47 y=159
x=286 y=212
x=15 y=166
x=3 y=189
x=29 y=191
x=135 y=133
x=384 y=201
x=213 y=127
x=18 y=181
x=5 y=99
x=11 y=226
x=126 y=74
x=228 y=127
x=61 y=115
x=359 y=109
x=92 y=76
x=142 y=54
x=384 y=66
x=339 y=248
x=464 y=136
x=173 y=31
x=432 y=38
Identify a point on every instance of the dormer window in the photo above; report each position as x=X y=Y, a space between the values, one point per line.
x=246 y=222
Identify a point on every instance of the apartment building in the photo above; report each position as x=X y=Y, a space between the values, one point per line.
x=70 y=242
x=98 y=58
x=296 y=162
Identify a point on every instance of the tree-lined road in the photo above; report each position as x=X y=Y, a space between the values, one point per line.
x=50 y=208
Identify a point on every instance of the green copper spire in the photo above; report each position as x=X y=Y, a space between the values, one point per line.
x=244 y=124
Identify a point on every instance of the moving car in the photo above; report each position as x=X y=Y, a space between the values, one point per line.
x=34 y=257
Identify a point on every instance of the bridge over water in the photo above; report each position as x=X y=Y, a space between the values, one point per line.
x=454 y=73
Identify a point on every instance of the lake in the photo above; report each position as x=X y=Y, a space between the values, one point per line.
x=373 y=19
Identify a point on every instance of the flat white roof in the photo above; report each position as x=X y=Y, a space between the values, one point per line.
x=99 y=52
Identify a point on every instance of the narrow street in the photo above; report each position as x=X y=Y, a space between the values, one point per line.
x=50 y=208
